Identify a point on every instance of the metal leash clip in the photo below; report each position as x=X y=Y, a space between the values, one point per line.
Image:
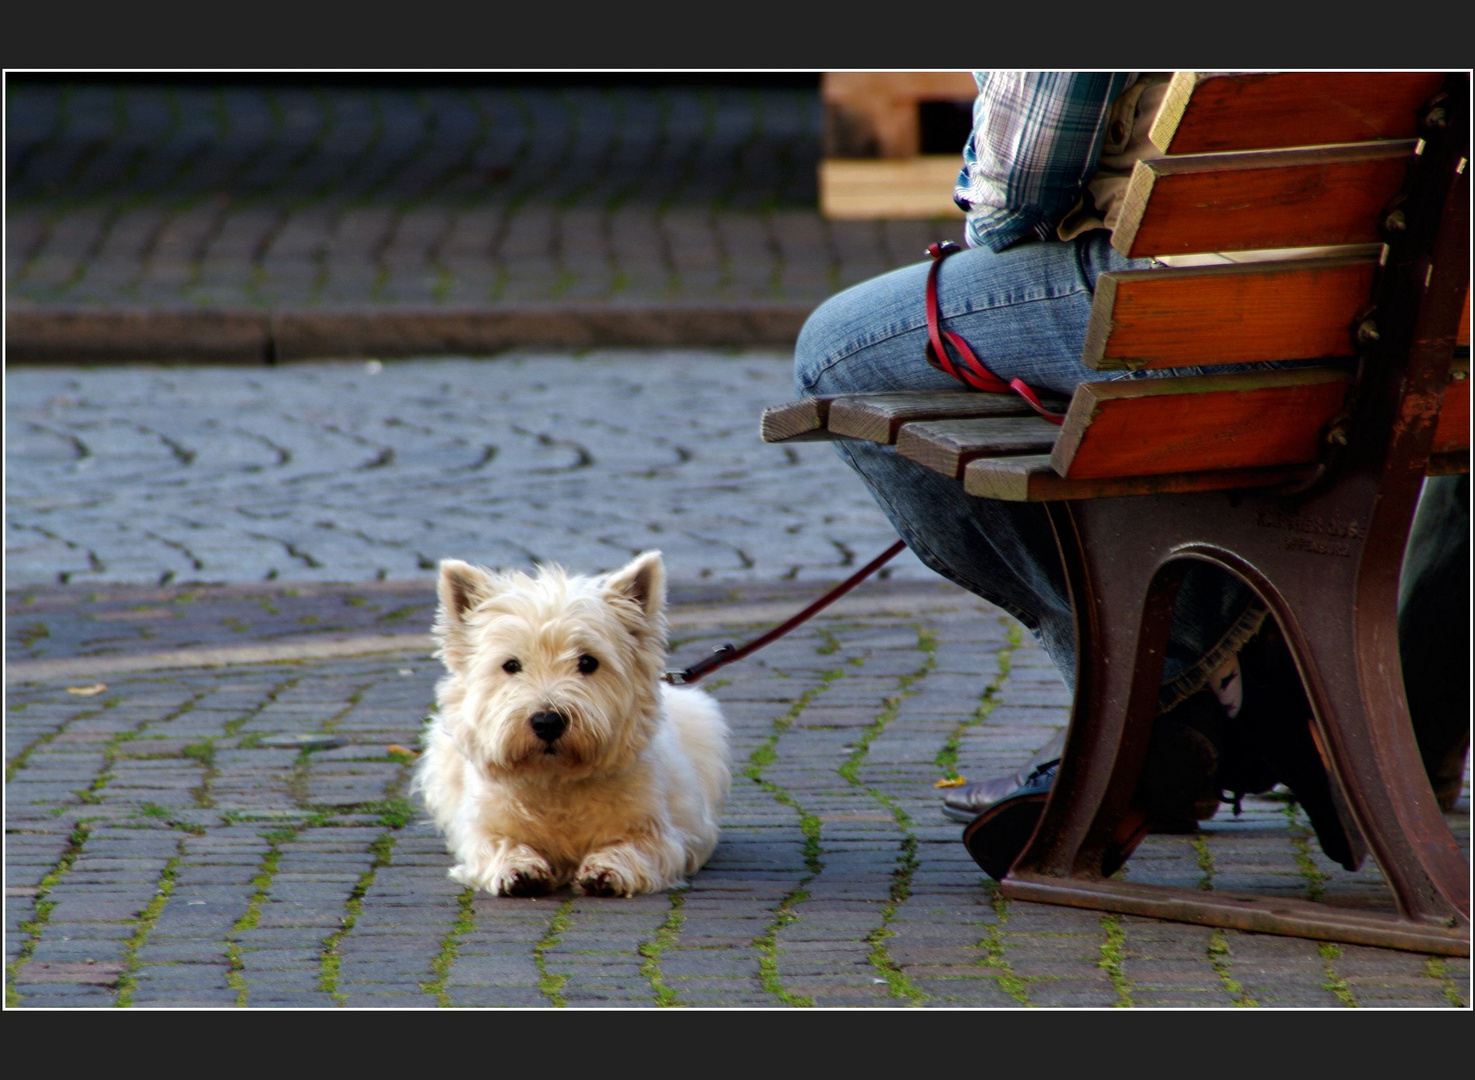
x=696 y=671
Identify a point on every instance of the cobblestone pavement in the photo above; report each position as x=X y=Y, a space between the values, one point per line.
x=176 y=202
x=161 y=852
x=353 y=472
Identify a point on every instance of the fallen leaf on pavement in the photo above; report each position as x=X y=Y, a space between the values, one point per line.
x=87 y=691
x=950 y=781
x=405 y=751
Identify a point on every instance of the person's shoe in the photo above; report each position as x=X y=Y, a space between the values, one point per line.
x=968 y=801
x=1274 y=741
x=1178 y=788
x=998 y=836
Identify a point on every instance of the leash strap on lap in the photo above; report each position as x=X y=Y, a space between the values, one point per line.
x=973 y=371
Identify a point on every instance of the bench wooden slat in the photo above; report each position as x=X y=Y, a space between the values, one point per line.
x=945 y=446
x=1234 y=314
x=1031 y=478
x=878 y=417
x=1267 y=199
x=1204 y=112
x=796 y=420
x=1141 y=427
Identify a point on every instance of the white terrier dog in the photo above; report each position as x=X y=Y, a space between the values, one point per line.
x=557 y=754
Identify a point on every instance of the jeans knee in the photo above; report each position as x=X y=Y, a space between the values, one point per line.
x=844 y=348
x=813 y=349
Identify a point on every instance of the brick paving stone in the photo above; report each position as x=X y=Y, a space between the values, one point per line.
x=69 y=997
x=159 y=997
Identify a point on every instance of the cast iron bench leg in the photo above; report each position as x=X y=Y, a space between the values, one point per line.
x=1124 y=558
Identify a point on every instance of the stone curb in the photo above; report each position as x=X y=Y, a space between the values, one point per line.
x=252 y=337
x=323 y=647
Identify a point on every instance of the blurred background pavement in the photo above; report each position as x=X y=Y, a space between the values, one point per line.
x=288 y=218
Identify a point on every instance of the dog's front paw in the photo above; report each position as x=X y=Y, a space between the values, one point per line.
x=520 y=872
x=523 y=884
x=599 y=878
x=602 y=883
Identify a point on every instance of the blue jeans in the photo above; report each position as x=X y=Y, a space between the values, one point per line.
x=1024 y=313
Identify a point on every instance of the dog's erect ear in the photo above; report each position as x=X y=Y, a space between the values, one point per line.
x=460 y=588
x=643 y=580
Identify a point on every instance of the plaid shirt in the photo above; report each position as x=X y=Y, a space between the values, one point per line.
x=1035 y=142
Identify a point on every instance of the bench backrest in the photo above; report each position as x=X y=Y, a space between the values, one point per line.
x=1263 y=167
x=1257 y=164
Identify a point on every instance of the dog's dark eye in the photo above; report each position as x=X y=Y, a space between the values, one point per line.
x=512 y=667
x=588 y=665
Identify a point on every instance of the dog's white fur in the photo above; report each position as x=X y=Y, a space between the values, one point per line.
x=627 y=799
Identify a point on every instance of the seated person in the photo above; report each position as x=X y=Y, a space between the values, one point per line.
x=1043 y=178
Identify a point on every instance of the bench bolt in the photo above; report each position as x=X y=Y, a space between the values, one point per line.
x=1395 y=222
x=1367 y=330
x=1435 y=117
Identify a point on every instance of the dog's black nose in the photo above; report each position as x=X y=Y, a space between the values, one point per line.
x=549 y=725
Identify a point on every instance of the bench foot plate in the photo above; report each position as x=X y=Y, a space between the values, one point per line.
x=1238 y=911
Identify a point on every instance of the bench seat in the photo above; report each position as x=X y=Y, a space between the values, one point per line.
x=1192 y=433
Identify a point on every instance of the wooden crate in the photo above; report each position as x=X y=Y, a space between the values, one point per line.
x=875 y=114
x=873 y=167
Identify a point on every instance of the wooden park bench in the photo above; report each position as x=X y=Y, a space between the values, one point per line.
x=1303 y=481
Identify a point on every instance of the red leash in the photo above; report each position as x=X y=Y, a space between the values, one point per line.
x=728 y=653
x=975 y=373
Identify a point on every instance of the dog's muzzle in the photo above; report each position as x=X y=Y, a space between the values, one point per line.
x=548 y=725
